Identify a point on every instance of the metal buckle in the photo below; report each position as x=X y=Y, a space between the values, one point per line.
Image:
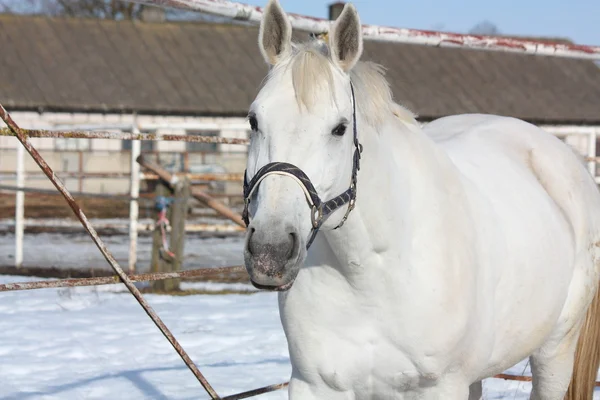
x=316 y=215
x=351 y=204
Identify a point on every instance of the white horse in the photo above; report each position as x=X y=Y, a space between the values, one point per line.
x=469 y=244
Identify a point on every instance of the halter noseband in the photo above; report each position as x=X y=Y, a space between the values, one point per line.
x=320 y=210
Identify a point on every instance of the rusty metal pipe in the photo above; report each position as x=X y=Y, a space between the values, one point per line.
x=256 y=392
x=111 y=280
x=41 y=133
x=519 y=378
x=253 y=14
x=219 y=177
x=22 y=136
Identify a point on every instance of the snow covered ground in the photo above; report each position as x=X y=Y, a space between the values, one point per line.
x=78 y=251
x=97 y=343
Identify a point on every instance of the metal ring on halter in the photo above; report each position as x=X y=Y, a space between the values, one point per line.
x=316 y=216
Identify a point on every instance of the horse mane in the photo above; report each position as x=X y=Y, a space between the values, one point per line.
x=312 y=76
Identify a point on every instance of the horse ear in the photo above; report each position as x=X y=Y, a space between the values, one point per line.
x=275 y=35
x=345 y=39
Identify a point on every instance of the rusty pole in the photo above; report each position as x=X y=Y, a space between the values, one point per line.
x=254 y=14
x=256 y=392
x=40 y=133
x=111 y=280
x=20 y=134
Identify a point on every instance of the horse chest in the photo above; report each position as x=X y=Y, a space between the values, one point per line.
x=365 y=365
x=357 y=353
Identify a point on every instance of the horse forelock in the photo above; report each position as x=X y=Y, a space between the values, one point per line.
x=312 y=74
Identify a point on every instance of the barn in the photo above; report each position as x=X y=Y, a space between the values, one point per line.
x=191 y=78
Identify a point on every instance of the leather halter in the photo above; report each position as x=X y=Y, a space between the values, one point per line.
x=320 y=210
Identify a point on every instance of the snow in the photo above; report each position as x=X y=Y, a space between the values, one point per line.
x=78 y=251
x=97 y=343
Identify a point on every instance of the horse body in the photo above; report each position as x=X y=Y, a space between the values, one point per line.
x=472 y=244
x=472 y=255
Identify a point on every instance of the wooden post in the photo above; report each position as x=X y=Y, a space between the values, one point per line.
x=176 y=214
x=160 y=261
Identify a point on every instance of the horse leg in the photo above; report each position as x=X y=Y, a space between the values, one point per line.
x=552 y=367
x=476 y=391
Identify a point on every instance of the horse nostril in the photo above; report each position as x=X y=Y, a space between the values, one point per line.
x=252 y=230
x=292 y=249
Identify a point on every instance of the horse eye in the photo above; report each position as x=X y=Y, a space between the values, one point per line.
x=253 y=123
x=339 y=130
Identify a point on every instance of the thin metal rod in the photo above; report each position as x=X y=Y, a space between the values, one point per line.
x=76 y=194
x=20 y=208
x=100 y=195
x=134 y=208
x=256 y=392
x=39 y=133
x=219 y=177
x=253 y=14
x=508 y=377
x=21 y=135
x=111 y=280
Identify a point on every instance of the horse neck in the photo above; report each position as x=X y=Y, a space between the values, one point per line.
x=401 y=170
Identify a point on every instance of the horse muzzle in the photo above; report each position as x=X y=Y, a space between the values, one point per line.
x=272 y=262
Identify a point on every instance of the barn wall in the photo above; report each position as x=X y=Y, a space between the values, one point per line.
x=111 y=156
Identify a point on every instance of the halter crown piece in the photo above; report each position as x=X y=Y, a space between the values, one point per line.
x=320 y=210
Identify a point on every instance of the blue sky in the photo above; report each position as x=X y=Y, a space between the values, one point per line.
x=578 y=20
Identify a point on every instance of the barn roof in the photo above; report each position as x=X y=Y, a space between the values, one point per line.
x=196 y=68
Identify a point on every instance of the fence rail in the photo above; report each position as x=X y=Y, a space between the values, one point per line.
x=217 y=177
x=111 y=280
x=41 y=133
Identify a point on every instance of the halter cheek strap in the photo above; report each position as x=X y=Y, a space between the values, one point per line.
x=320 y=210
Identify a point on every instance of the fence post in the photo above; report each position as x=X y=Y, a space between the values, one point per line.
x=20 y=207
x=177 y=211
x=134 y=192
